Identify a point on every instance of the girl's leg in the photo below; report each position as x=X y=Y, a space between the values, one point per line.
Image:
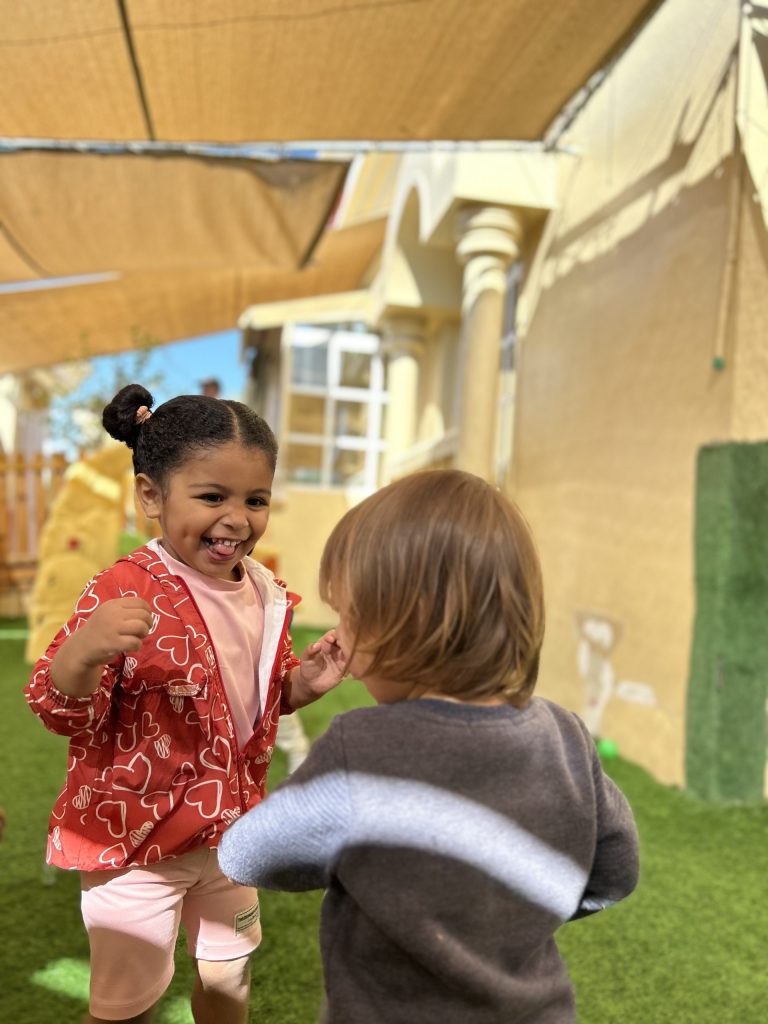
x=221 y=990
x=143 y=1018
x=132 y=916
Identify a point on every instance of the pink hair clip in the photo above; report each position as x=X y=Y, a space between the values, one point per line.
x=142 y=414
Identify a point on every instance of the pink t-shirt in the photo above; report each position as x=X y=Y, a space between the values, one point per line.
x=234 y=614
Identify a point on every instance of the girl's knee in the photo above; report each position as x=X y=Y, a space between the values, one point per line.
x=229 y=977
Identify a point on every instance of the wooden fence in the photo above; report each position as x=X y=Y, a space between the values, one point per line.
x=27 y=489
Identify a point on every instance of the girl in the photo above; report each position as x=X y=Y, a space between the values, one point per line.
x=169 y=680
x=458 y=824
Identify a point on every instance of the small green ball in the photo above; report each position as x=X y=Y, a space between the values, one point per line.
x=607 y=748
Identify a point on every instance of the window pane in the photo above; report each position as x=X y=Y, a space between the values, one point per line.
x=303 y=463
x=348 y=467
x=306 y=415
x=355 y=370
x=309 y=365
x=351 y=419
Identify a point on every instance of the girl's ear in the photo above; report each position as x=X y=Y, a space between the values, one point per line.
x=149 y=496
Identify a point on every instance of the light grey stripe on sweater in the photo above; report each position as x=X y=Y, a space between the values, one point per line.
x=400 y=812
x=310 y=824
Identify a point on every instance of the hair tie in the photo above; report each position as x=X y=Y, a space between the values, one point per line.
x=142 y=414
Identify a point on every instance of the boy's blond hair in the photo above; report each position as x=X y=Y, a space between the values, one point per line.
x=438 y=578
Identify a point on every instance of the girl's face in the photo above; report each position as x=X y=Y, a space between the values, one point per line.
x=215 y=508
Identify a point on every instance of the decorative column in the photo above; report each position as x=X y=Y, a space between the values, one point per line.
x=402 y=343
x=488 y=240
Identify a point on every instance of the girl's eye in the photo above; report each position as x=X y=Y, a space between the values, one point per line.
x=257 y=502
x=212 y=498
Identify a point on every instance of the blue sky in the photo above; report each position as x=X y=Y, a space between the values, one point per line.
x=173 y=369
x=183 y=364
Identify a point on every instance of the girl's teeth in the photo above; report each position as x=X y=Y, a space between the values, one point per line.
x=223 y=547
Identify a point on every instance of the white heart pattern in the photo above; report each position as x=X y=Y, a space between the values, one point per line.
x=230 y=814
x=160 y=802
x=114 y=856
x=149 y=728
x=134 y=776
x=82 y=798
x=138 y=835
x=206 y=798
x=163 y=745
x=221 y=754
x=113 y=813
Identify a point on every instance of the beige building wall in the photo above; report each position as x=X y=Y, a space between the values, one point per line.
x=617 y=384
x=746 y=318
x=299 y=526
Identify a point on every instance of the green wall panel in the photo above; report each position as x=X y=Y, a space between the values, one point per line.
x=726 y=716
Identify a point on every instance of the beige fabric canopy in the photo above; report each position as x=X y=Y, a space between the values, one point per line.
x=182 y=242
x=155 y=248
x=299 y=69
x=75 y=213
x=55 y=324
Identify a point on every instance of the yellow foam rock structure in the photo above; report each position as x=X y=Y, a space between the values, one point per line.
x=80 y=538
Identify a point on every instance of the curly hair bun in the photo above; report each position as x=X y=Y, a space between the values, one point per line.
x=119 y=416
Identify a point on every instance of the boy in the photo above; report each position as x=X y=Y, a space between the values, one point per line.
x=458 y=824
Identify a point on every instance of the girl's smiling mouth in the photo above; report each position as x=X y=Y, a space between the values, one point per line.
x=221 y=547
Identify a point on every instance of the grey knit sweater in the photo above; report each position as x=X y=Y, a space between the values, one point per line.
x=453 y=840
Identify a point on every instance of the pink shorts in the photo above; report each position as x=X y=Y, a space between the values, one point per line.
x=133 y=916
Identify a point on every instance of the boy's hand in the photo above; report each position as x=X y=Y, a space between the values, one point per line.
x=114 y=627
x=323 y=666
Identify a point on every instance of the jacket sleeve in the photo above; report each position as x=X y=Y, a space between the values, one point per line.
x=60 y=712
x=288 y=661
x=292 y=839
x=615 y=866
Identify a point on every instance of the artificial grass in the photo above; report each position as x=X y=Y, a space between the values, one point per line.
x=689 y=946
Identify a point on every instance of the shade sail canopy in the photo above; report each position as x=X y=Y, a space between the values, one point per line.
x=98 y=252
x=299 y=69
x=71 y=213
x=117 y=312
x=162 y=247
x=81 y=213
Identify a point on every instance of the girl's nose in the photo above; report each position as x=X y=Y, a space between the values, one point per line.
x=235 y=516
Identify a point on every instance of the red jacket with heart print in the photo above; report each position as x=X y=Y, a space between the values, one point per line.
x=154 y=766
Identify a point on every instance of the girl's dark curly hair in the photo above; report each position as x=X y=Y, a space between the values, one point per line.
x=180 y=428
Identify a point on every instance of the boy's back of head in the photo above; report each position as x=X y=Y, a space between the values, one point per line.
x=438 y=576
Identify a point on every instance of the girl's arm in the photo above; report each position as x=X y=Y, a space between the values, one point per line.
x=322 y=667
x=77 y=695
x=115 y=627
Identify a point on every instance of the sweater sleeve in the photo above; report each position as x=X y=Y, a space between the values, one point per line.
x=615 y=866
x=60 y=712
x=291 y=840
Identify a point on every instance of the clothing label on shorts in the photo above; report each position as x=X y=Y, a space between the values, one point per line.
x=246 y=919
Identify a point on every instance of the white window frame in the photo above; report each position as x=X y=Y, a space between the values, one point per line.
x=340 y=341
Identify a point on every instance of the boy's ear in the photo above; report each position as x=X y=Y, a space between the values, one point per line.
x=148 y=495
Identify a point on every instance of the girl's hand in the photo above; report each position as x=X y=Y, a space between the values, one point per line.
x=323 y=666
x=114 y=627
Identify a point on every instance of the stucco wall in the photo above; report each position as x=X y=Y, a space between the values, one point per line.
x=616 y=385
x=298 y=527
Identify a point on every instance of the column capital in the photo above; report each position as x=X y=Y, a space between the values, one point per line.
x=494 y=231
x=402 y=334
